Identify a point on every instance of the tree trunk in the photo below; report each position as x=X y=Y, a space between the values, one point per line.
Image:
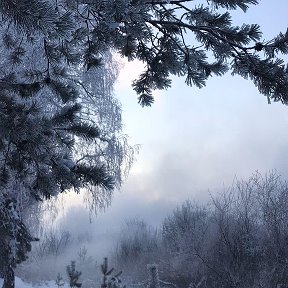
x=9 y=278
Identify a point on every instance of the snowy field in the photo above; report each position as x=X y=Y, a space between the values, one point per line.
x=20 y=284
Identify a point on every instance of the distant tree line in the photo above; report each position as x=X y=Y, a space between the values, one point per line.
x=237 y=240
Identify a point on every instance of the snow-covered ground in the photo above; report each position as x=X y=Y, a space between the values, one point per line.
x=20 y=284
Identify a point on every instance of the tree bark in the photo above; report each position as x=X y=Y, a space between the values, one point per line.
x=9 y=278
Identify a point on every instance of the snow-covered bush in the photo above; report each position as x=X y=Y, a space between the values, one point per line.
x=239 y=239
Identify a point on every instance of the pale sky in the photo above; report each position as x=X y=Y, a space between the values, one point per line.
x=195 y=141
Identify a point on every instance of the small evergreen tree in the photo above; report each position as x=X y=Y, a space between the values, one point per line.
x=109 y=280
x=59 y=281
x=154 y=281
x=73 y=275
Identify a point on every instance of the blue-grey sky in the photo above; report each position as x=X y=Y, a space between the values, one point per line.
x=195 y=141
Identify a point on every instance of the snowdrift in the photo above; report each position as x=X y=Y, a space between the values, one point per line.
x=20 y=284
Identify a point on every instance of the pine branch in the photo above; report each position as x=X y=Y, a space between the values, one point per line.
x=95 y=175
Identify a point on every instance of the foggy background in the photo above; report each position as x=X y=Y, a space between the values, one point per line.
x=193 y=143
